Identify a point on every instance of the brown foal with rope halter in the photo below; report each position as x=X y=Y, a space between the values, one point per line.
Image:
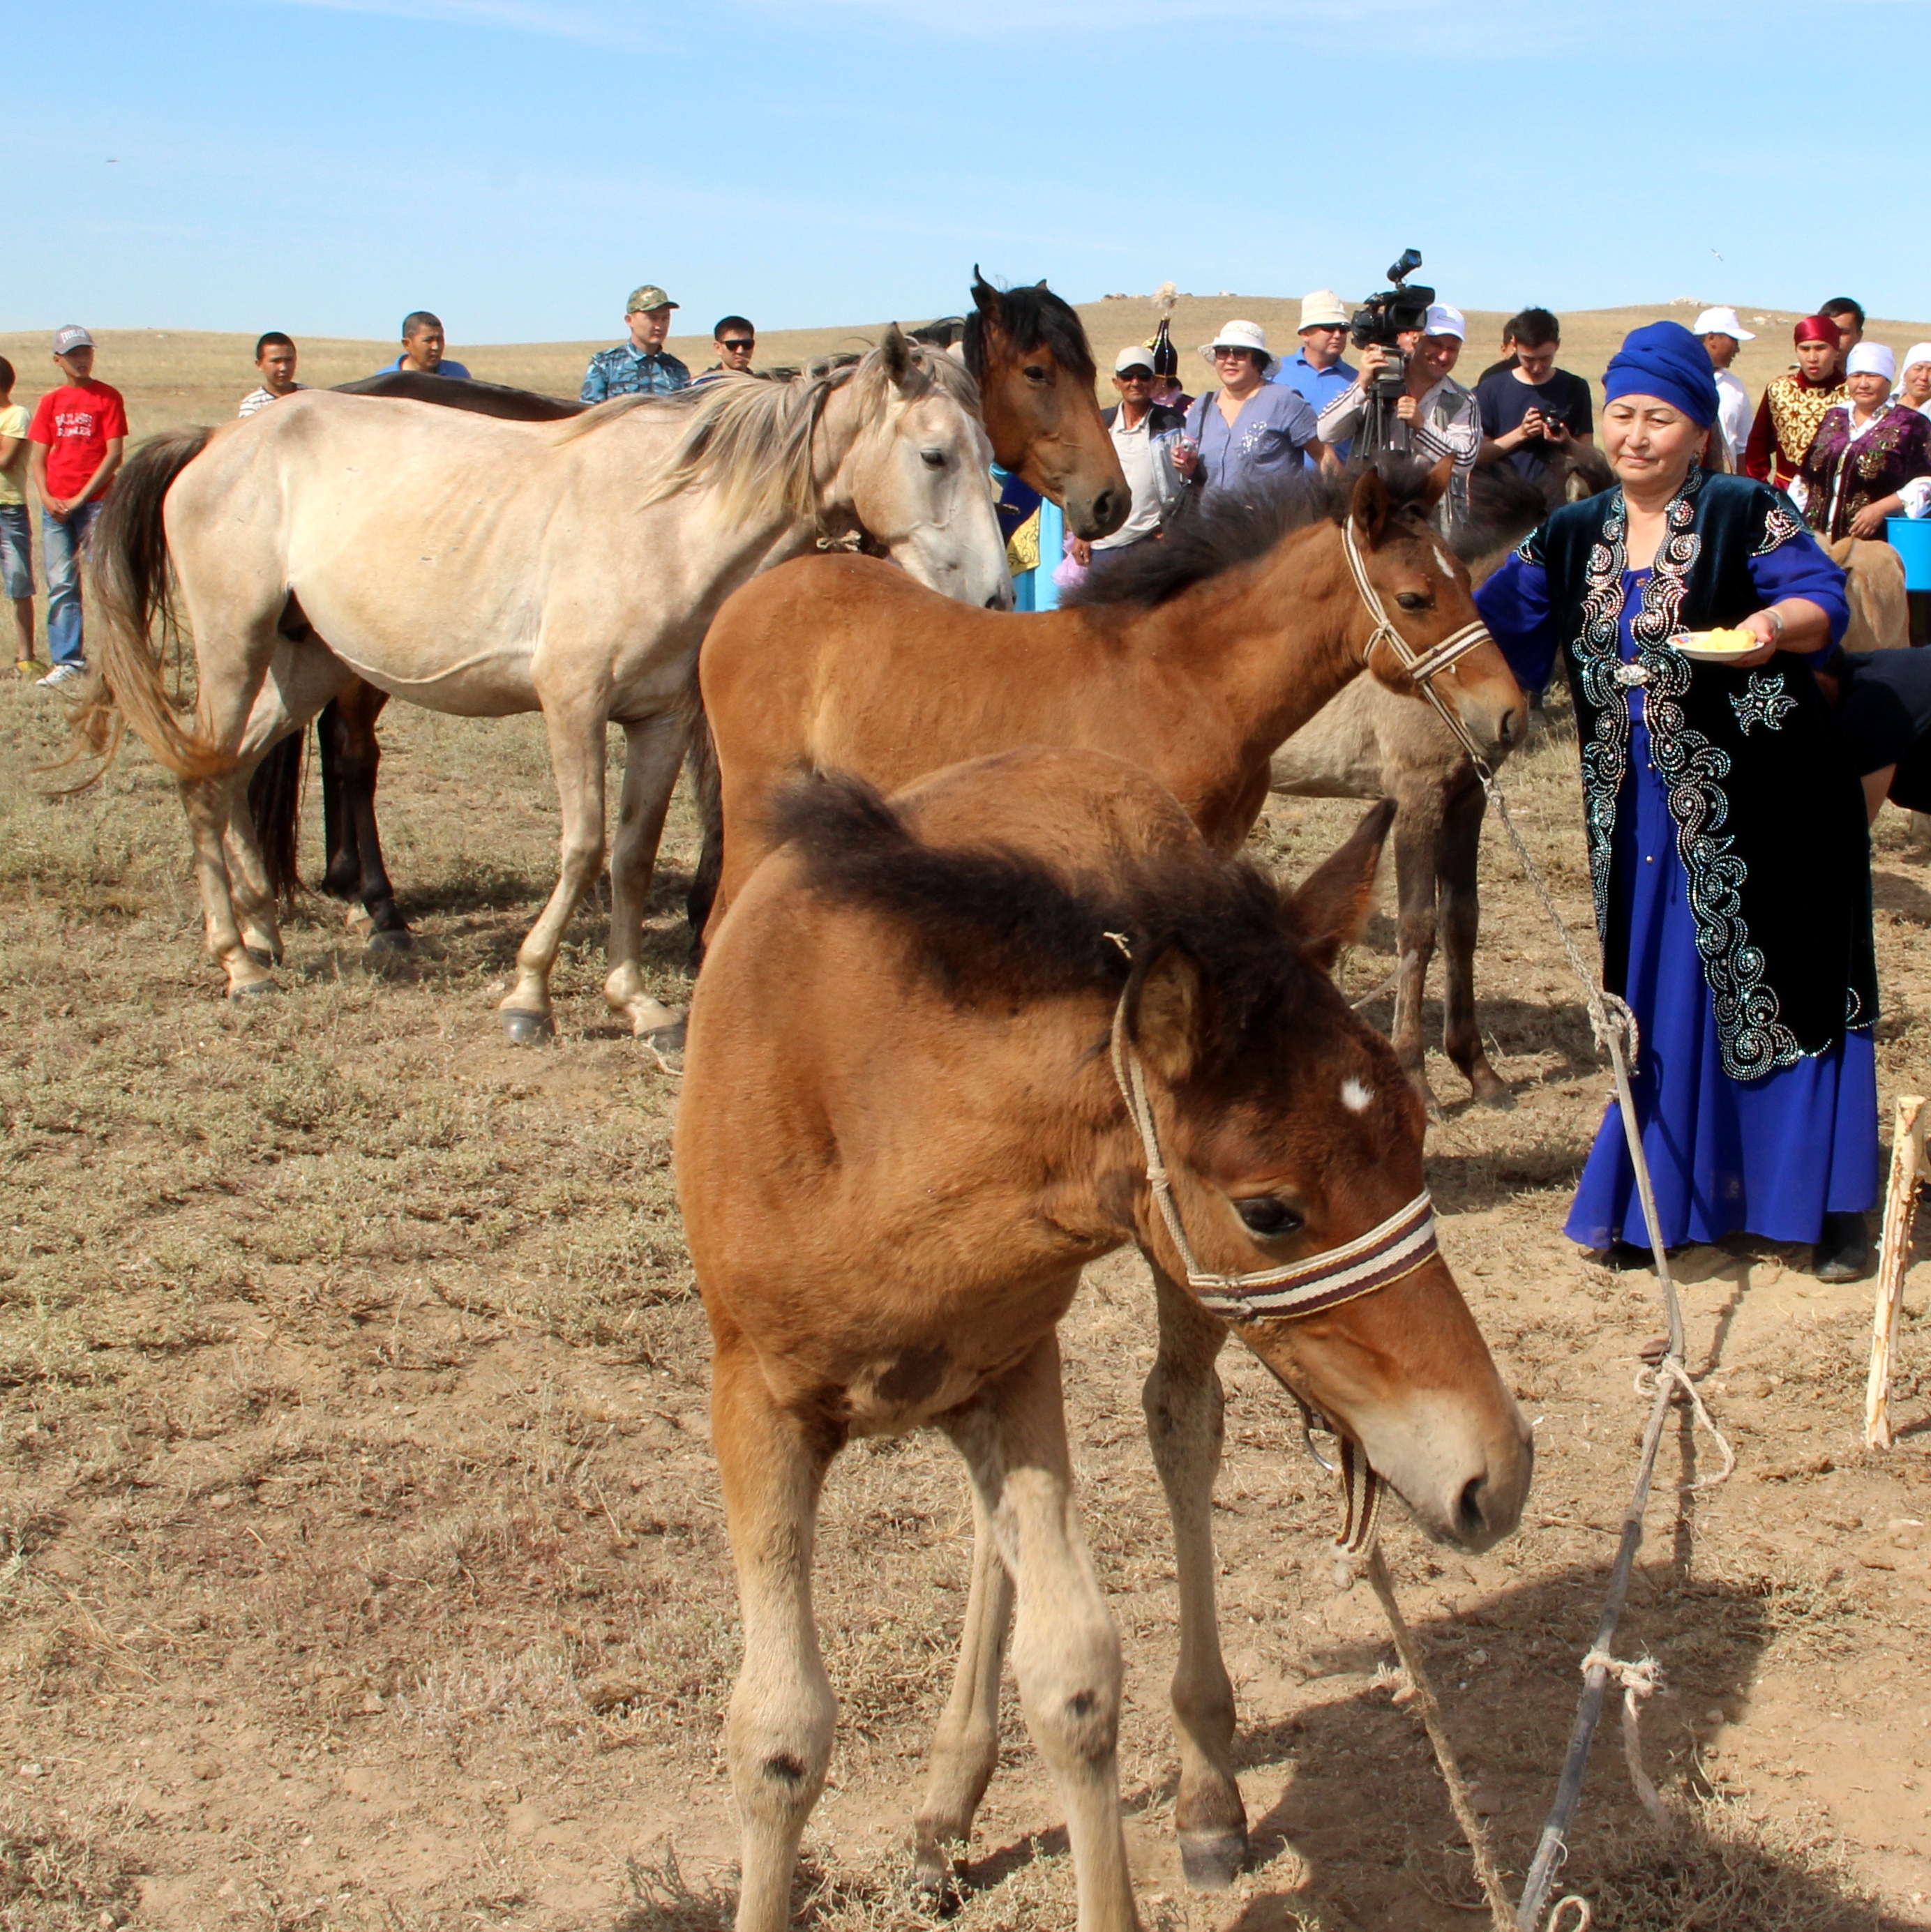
x=945 y=1052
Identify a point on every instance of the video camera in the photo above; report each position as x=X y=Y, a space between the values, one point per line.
x=1384 y=317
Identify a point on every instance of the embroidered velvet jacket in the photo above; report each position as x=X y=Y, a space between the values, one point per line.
x=1770 y=817
x=1842 y=474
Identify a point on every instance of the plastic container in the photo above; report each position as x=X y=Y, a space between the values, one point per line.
x=1911 y=538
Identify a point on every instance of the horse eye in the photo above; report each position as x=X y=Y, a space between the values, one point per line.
x=1267 y=1216
x=932 y=459
x=1034 y=373
x=1413 y=600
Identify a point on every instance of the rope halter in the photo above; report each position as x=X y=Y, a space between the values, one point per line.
x=1423 y=666
x=1396 y=1247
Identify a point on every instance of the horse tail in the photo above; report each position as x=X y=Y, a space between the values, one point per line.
x=128 y=593
x=701 y=762
x=274 y=802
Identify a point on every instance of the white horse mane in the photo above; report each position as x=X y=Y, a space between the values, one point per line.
x=751 y=436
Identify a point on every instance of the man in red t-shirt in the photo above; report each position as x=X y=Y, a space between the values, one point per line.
x=78 y=432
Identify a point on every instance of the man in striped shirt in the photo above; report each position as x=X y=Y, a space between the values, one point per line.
x=1435 y=416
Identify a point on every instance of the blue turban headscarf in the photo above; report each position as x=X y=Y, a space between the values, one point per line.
x=1663 y=360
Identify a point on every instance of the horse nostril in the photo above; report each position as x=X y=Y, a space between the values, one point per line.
x=1103 y=506
x=1470 y=1518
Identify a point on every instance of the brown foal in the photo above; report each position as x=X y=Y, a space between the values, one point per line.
x=1217 y=643
x=899 y=1141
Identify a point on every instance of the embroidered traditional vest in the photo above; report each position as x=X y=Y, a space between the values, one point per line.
x=1769 y=815
x=1796 y=411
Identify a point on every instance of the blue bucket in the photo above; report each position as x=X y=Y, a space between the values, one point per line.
x=1911 y=538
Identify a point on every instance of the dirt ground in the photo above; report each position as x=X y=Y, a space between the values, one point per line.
x=359 y=1540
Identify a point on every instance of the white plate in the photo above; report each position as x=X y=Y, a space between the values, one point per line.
x=1690 y=644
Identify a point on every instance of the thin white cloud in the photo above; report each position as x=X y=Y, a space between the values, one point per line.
x=597 y=26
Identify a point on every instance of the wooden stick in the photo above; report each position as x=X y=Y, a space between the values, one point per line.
x=1900 y=1202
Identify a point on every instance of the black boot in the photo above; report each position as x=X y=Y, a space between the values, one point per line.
x=1843 y=1250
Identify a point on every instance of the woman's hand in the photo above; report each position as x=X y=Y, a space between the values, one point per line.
x=1186 y=458
x=1869 y=521
x=1763 y=625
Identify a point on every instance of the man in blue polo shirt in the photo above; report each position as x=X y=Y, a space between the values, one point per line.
x=422 y=348
x=1317 y=372
x=642 y=366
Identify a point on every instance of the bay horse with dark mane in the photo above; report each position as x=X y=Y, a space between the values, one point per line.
x=941 y=1049
x=1026 y=347
x=1195 y=658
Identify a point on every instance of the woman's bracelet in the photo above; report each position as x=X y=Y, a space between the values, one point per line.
x=1776 y=618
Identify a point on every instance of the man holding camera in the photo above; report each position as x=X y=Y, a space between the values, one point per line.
x=1434 y=416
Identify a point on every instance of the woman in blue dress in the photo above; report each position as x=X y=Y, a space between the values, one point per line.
x=1728 y=845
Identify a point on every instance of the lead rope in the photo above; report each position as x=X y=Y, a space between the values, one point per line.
x=1615 y=1027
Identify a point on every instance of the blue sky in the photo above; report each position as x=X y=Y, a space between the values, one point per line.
x=322 y=166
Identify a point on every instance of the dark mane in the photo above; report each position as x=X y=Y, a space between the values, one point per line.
x=1211 y=534
x=993 y=920
x=1034 y=318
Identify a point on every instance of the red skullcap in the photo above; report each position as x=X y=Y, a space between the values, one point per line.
x=1815 y=329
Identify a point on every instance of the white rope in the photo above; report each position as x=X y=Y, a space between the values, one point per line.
x=1650 y=1382
x=1641 y=1680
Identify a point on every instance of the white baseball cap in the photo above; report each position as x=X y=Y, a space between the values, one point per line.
x=1133 y=356
x=1721 y=322
x=1323 y=309
x=1240 y=335
x=1444 y=320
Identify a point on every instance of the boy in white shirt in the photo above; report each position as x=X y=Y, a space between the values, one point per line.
x=274 y=357
x=17 y=555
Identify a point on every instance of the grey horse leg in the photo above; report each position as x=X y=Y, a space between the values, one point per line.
x=1459 y=854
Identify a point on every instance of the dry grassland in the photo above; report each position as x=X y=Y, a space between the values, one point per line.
x=361 y=1560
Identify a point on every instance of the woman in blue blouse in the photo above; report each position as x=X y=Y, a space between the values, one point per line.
x=1726 y=828
x=1250 y=433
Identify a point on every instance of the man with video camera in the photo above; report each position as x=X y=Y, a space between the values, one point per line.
x=1405 y=402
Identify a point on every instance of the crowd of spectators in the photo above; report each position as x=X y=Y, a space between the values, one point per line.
x=1845 y=430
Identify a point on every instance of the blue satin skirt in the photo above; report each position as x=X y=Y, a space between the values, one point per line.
x=1769 y=1157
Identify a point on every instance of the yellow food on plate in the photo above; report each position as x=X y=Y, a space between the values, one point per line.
x=1724 y=641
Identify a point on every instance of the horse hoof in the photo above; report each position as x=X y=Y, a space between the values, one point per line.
x=1212 y=1860
x=525 y=1029
x=1499 y=1096
x=935 y=1885
x=398 y=939
x=262 y=956
x=252 y=989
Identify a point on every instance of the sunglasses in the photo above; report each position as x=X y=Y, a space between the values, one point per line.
x=740 y=342
x=1221 y=354
x=1136 y=375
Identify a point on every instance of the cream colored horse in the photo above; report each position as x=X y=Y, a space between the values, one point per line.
x=480 y=568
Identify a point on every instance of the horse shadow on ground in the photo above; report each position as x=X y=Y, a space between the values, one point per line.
x=1358 y=1836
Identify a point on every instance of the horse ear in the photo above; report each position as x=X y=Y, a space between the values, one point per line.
x=1163 y=1019
x=985 y=298
x=1368 y=506
x=1334 y=902
x=1436 y=488
x=895 y=355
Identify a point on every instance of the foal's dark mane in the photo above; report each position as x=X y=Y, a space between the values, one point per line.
x=1212 y=534
x=1035 y=318
x=990 y=920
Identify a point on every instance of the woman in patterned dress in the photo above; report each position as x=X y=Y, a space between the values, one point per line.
x=1870 y=458
x=1726 y=829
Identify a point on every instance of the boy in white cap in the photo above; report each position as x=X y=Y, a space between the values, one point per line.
x=1315 y=372
x=1723 y=335
x=78 y=432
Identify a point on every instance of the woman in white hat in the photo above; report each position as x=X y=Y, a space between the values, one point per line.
x=1249 y=432
x=1913 y=378
x=1870 y=457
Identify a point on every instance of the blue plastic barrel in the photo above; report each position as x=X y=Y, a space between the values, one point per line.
x=1911 y=538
